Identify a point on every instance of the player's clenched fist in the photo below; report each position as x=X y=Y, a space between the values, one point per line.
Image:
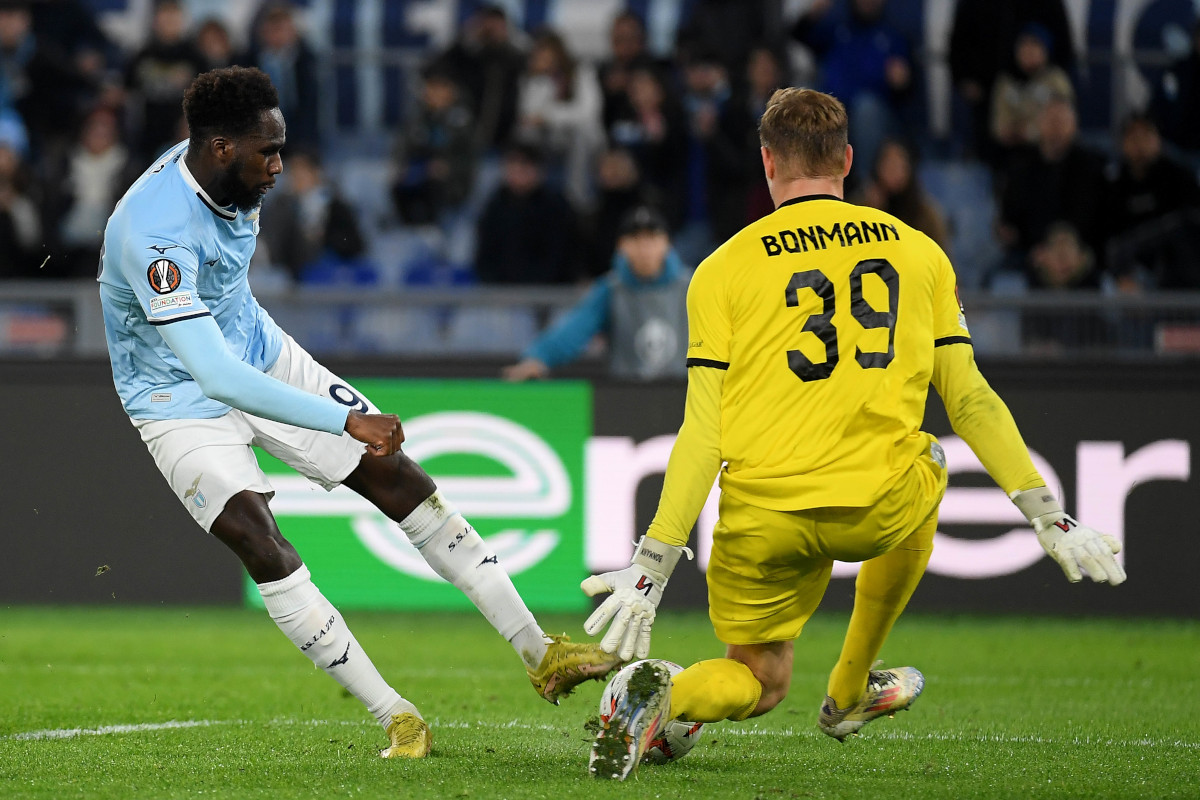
x=381 y=433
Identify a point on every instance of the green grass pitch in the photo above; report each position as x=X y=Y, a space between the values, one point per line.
x=166 y=703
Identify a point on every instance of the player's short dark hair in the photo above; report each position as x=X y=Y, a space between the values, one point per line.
x=227 y=102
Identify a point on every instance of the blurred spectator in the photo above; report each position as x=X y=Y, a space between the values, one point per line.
x=619 y=189
x=157 y=77
x=1153 y=214
x=38 y=81
x=982 y=43
x=627 y=42
x=1146 y=185
x=1061 y=260
x=640 y=305
x=309 y=230
x=1176 y=103
x=730 y=29
x=559 y=109
x=765 y=72
x=526 y=229
x=214 y=44
x=1056 y=180
x=864 y=62
x=722 y=159
x=488 y=65
x=655 y=133
x=1019 y=97
x=278 y=50
x=435 y=154
x=894 y=188
x=20 y=225
x=83 y=187
x=72 y=26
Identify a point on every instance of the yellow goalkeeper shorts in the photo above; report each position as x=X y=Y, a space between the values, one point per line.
x=769 y=569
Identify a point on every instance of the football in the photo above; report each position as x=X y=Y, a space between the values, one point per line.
x=676 y=739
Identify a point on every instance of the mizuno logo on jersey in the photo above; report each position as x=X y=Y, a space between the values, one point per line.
x=162 y=250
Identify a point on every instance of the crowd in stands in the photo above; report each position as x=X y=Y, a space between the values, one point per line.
x=534 y=155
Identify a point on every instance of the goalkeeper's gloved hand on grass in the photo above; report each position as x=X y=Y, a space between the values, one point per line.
x=1072 y=545
x=636 y=592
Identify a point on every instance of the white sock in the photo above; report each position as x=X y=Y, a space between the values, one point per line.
x=316 y=627
x=459 y=555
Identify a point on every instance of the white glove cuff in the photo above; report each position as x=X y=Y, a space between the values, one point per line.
x=658 y=556
x=1036 y=502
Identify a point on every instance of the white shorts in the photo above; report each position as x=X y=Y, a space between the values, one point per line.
x=208 y=461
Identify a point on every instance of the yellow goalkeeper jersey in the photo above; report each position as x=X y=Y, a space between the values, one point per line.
x=825 y=316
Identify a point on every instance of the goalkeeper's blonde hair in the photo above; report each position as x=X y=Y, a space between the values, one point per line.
x=806 y=132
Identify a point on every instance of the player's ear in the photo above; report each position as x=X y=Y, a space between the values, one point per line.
x=849 y=160
x=222 y=149
x=768 y=163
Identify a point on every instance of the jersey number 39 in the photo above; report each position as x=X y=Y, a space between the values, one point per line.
x=862 y=311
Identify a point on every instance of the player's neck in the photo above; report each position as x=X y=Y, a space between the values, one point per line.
x=807 y=187
x=208 y=176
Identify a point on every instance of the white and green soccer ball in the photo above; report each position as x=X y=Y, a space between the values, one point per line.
x=676 y=738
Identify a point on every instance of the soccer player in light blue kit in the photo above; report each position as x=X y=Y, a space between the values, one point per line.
x=205 y=373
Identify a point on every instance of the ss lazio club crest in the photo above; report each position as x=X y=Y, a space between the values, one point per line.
x=163 y=275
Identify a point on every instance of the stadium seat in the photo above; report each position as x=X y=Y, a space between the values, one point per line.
x=397 y=331
x=963 y=190
x=493 y=331
x=318 y=330
x=365 y=182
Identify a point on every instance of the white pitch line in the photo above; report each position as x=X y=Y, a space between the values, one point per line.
x=729 y=730
x=71 y=733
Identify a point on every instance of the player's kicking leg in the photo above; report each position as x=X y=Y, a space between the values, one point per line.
x=448 y=543
x=302 y=613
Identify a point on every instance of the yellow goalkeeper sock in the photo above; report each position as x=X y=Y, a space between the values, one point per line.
x=884 y=585
x=713 y=690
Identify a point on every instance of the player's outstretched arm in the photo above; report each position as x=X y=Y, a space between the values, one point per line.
x=981 y=418
x=636 y=590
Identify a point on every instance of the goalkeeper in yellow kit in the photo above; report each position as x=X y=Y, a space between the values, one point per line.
x=814 y=334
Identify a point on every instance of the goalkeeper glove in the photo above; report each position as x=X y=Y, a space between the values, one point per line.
x=1066 y=541
x=636 y=592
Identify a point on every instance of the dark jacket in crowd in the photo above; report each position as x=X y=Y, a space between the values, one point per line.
x=491 y=77
x=526 y=239
x=1166 y=187
x=1038 y=193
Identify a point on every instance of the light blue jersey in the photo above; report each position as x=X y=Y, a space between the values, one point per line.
x=170 y=254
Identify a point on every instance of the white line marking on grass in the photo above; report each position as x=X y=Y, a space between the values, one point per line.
x=989 y=738
x=71 y=733
x=725 y=730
